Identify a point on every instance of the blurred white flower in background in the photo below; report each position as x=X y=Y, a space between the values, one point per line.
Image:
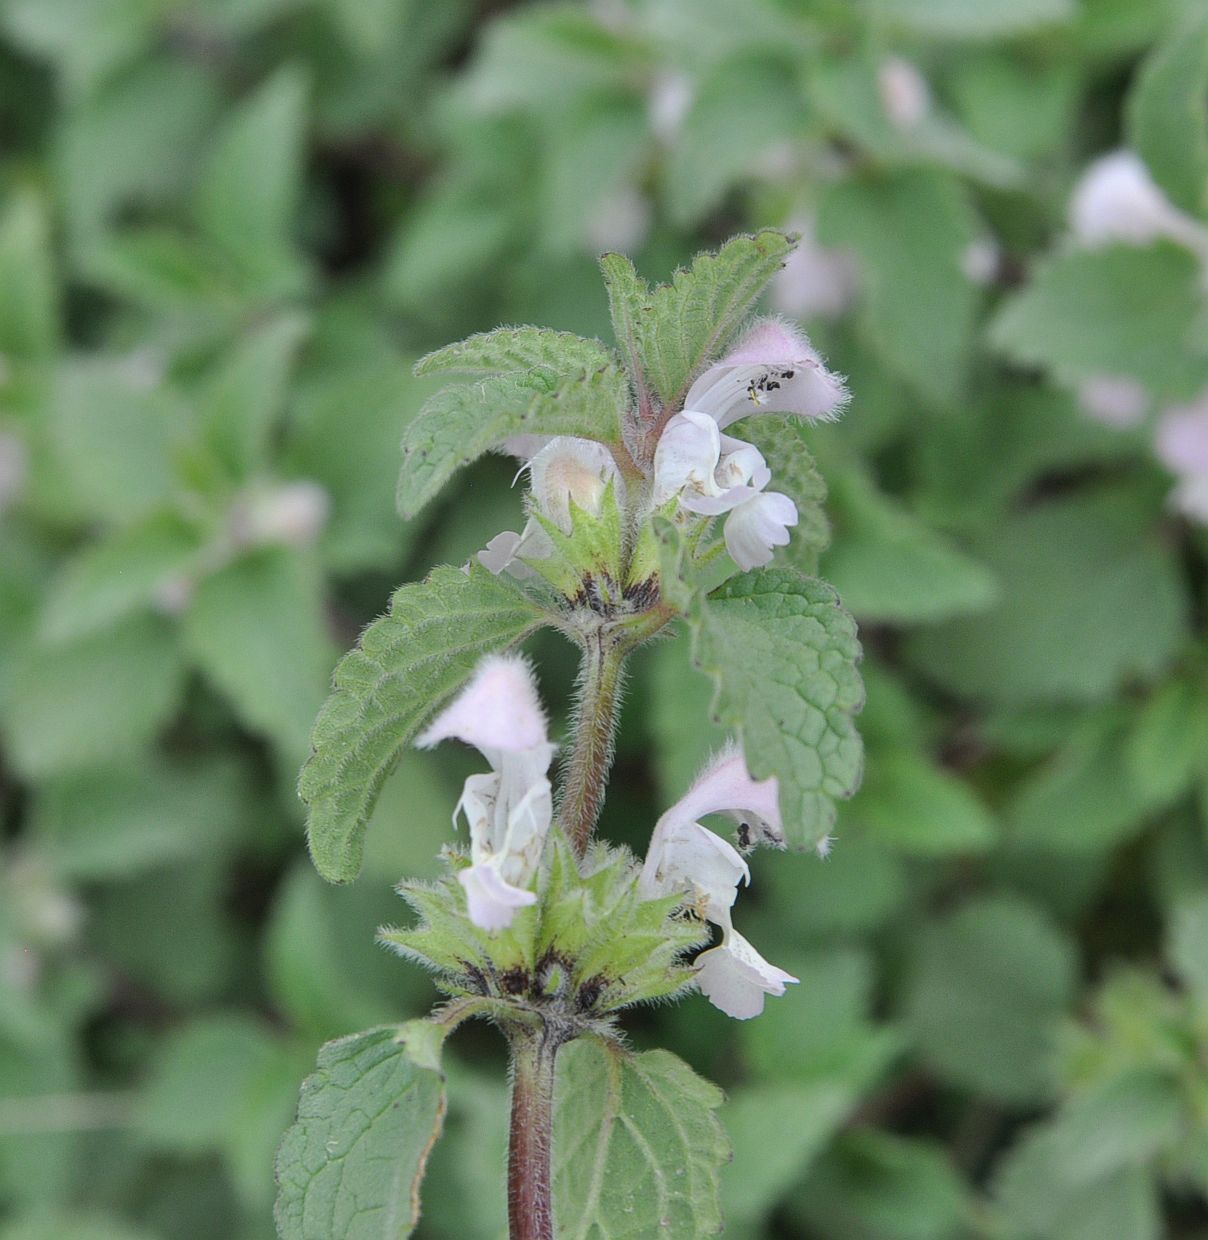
x=905 y=95
x=1115 y=400
x=1181 y=443
x=815 y=282
x=1116 y=200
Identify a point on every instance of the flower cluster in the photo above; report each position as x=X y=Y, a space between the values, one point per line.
x=1117 y=202
x=509 y=814
x=773 y=369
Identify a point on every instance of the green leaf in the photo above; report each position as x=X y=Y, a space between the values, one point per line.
x=974 y=19
x=509 y=349
x=1082 y=798
x=1123 y=1122
x=368 y=1117
x=988 y=986
x=889 y=566
x=29 y=311
x=1123 y=310
x=1169 y=740
x=257 y=629
x=117 y=822
x=115 y=430
x=875 y=1184
x=909 y=231
x=1089 y=596
x=782 y=656
x=628 y=302
x=243 y=397
x=1037 y=1199
x=116 y=576
x=687 y=323
x=406 y=665
x=460 y=424
x=250 y=186
x=1187 y=946
x=1168 y=113
x=197 y=1085
x=71 y=706
x=51 y=1225
x=636 y=1147
x=911 y=805
x=742 y=109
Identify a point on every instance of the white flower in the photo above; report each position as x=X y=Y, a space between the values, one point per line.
x=773 y=369
x=1116 y=200
x=562 y=471
x=1114 y=400
x=684 y=856
x=905 y=95
x=1182 y=446
x=571 y=471
x=757 y=526
x=980 y=261
x=815 y=281
x=736 y=978
x=713 y=474
x=508 y=811
x=671 y=96
x=292 y=514
x=620 y=221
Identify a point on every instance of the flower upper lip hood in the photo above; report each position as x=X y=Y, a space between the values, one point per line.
x=509 y=809
x=772 y=369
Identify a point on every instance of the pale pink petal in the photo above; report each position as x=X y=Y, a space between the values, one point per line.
x=500 y=552
x=492 y=903
x=725 y=786
x=1182 y=438
x=736 y=978
x=815 y=281
x=1114 y=400
x=773 y=369
x=905 y=95
x=498 y=710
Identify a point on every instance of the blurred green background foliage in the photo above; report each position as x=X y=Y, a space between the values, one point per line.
x=228 y=228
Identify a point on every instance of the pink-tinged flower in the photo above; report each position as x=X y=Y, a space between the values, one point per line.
x=686 y=857
x=1116 y=200
x=773 y=369
x=508 y=810
x=292 y=514
x=815 y=282
x=736 y=978
x=1182 y=446
x=904 y=92
x=1114 y=400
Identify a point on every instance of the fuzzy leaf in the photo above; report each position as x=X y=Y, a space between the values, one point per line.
x=628 y=300
x=462 y=423
x=407 y=663
x=352 y=1163
x=688 y=322
x=1168 y=116
x=510 y=349
x=782 y=654
x=637 y=1148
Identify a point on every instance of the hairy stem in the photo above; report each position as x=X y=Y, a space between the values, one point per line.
x=530 y=1203
x=586 y=768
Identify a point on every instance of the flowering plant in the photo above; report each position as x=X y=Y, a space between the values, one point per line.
x=631 y=461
